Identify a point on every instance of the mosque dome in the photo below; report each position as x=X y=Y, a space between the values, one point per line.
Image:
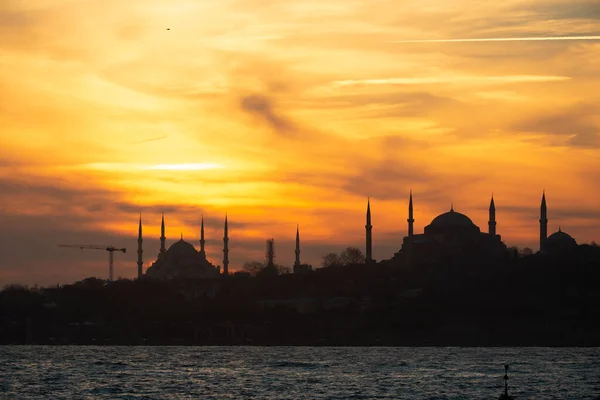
x=451 y=222
x=451 y=219
x=560 y=239
x=182 y=248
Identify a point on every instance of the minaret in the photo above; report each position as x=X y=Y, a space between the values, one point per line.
x=162 y=235
x=410 y=219
x=369 y=227
x=543 y=221
x=202 y=237
x=226 y=249
x=492 y=221
x=297 y=262
x=270 y=253
x=140 y=261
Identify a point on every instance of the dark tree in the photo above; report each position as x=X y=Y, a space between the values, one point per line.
x=331 y=260
x=256 y=268
x=352 y=256
x=282 y=270
x=526 y=251
x=253 y=267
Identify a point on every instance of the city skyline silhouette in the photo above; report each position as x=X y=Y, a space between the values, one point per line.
x=194 y=109
x=451 y=222
x=385 y=241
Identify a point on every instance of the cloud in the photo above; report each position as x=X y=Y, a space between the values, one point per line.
x=56 y=215
x=50 y=264
x=577 y=123
x=557 y=213
x=453 y=80
x=262 y=107
x=449 y=120
x=385 y=180
x=560 y=9
x=58 y=189
x=411 y=102
x=53 y=29
x=392 y=176
x=170 y=82
x=29 y=248
x=504 y=39
x=153 y=139
x=71 y=215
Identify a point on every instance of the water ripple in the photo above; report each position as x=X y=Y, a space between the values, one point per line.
x=72 y=372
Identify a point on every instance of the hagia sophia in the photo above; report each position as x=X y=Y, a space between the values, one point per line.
x=450 y=235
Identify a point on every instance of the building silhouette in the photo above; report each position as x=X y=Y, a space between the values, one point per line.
x=180 y=260
x=226 y=248
x=270 y=253
x=543 y=222
x=202 y=241
x=411 y=219
x=449 y=237
x=299 y=268
x=453 y=235
x=369 y=236
x=297 y=251
x=140 y=251
x=557 y=243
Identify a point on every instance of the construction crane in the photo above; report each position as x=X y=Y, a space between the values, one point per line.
x=110 y=249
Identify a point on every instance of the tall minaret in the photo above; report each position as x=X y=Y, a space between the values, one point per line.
x=202 y=237
x=543 y=221
x=492 y=221
x=410 y=219
x=162 y=235
x=226 y=249
x=369 y=227
x=140 y=261
x=297 y=262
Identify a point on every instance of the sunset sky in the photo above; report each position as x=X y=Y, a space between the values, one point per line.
x=284 y=112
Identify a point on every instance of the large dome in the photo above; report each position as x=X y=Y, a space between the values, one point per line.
x=561 y=239
x=181 y=248
x=451 y=219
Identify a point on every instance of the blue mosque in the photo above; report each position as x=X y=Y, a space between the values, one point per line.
x=181 y=259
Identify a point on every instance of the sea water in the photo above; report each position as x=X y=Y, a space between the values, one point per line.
x=88 y=372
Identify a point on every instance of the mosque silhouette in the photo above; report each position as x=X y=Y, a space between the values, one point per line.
x=450 y=236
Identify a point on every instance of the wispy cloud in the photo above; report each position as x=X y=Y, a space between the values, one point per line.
x=132 y=167
x=454 y=79
x=154 y=139
x=501 y=39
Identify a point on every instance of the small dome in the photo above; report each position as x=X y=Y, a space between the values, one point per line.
x=451 y=218
x=560 y=238
x=181 y=248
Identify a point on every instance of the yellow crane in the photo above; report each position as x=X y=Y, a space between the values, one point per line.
x=110 y=249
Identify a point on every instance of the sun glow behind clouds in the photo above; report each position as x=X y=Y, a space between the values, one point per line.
x=185 y=167
x=157 y=167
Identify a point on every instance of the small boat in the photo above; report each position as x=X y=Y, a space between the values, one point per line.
x=505 y=395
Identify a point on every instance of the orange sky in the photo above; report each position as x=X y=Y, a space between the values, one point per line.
x=288 y=112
